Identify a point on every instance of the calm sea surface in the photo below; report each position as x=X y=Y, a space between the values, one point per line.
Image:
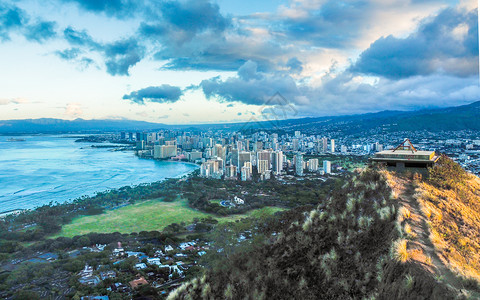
x=54 y=168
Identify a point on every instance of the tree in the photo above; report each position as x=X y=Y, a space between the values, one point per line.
x=26 y=295
x=84 y=241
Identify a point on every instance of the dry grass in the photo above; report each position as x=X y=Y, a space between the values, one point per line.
x=405 y=213
x=428 y=260
x=407 y=229
x=454 y=221
x=399 y=250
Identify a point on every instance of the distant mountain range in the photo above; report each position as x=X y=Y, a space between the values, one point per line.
x=451 y=118
x=76 y=126
x=465 y=117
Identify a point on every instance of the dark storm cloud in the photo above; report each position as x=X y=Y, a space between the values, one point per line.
x=69 y=54
x=250 y=86
x=11 y=18
x=180 y=21
x=41 y=31
x=191 y=35
x=439 y=46
x=80 y=38
x=116 y=8
x=217 y=51
x=15 y=20
x=121 y=55
x=193 y=15
x=161 y=94
x=334 y=24
x=294 y=65
x=194 y=35
x=343 y=93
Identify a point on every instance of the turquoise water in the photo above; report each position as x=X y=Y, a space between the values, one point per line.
x=54 y=168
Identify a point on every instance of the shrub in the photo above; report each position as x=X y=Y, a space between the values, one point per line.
x=447 y=173
x=409 y=281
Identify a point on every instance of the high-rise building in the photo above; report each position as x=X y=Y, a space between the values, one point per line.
x=246 y=174
x=277 y=162
x=327 y=167
x=243 y=156
x=231 y=172
x=332 y=146
x=212 y=168
x=208 y=153
x=220 y=151
x=275 y=146
x=194 y=155
x=257 y=146
x=263 y=166
x=324 y=145
x=343 y=149
x=248 y=165
x=234 y=158
x=265 y=155
x=295 y=145
x=140 y=145
x=240 y=146
x=164 y=151
x=298 y=134
x=299 y=165
x=205 y=170
x=313 y=165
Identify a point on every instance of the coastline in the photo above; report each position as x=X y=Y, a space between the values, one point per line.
x=18 y=210
x=168 y=160
x=6 y=213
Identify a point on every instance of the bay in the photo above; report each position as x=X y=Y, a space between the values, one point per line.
x=53 y=168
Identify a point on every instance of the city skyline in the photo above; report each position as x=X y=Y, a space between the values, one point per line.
x=203 y=61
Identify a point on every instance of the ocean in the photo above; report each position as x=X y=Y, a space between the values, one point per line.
x=54 y=168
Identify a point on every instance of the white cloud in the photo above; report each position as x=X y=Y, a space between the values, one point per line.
x=74 y=110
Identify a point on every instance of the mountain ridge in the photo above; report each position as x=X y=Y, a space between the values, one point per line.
x=449 y=118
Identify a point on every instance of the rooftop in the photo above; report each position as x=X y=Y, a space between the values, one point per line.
x=406 y=152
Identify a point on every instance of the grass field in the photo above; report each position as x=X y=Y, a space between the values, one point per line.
x=145 y=216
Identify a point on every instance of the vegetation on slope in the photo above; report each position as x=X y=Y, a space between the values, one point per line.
x=450 y=199
x=342 y=249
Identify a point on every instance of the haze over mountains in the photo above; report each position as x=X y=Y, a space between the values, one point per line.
x=451 y=118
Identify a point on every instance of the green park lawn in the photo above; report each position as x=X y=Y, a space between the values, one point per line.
x=146 y=216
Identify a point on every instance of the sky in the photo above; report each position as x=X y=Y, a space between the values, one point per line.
x=201 y=61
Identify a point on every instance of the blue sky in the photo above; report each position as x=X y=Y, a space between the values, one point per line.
x=197 y=61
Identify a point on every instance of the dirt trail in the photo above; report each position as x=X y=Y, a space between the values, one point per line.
x=421 y=247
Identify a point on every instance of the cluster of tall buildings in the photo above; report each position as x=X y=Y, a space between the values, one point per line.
x=233 y=155
x=235 y=161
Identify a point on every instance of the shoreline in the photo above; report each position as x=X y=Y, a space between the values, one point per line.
x=169 y=160
x=9 y=212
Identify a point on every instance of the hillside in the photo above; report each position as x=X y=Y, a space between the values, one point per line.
x=450 y=200
x=463 y=117
x=357 y=244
